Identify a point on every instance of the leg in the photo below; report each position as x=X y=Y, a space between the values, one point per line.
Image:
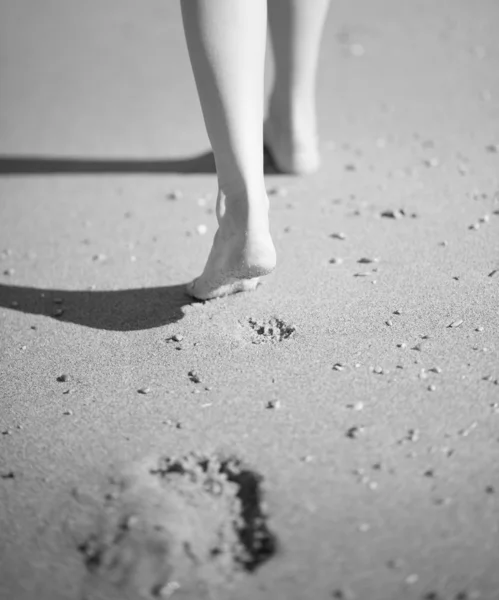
x=226 y=42
x=290 y=129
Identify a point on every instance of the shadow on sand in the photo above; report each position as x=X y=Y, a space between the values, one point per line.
x=121 y=310
x=59 y=165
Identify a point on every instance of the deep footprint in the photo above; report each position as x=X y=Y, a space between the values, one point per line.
x=179 y=528
x=272 y=330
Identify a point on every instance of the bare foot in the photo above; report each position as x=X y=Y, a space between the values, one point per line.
x=242 y=252
x=292 y=143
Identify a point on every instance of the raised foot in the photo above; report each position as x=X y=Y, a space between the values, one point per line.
x=235 y=264
x=291 y=153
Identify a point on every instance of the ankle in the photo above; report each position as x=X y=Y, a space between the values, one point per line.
x=243 y=211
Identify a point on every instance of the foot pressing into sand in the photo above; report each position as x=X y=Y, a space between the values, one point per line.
x=242 y=250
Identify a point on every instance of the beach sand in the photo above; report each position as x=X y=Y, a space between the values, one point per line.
x=334 y=434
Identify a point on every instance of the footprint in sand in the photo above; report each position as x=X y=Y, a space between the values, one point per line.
x=178 y=528
x=270 y=330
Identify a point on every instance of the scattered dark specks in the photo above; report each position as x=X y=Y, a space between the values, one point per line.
x=355 y=431
x=99 y=257
x=484 y=219
x=144 y=390
x=63 y=378
x=273 y=404
x=494 y=272
x=492 y=148
x=367 y=274
x=8 y=475
x=429 y=473
x=456 y=323
x=339 y=236
x=474 y=226
x=336 y=261
x=194 y=377
x=393 y=214
x=490 y=489
x=350 y=167
x=443 y=243
x=9 y=272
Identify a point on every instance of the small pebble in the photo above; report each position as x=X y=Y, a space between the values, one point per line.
x=14 y=304
x=484 y=219
x=99 y=257
x=456 y=323
x=378 y=370
x=354 y=432
x=357 y=50
x=393 y=214
x=397 y=312
x=402 y=345
x=474 y=226
x=431 y=162
x=350 y=167
x=273 y=404
x=411 y=579
x=277 y=191
x=144 y=390
x=9 y=271
x=194 y=377
x=479 y=329
x=58 y=312
x=436 y=370
x=63 y=378
x=336 y=261
x=174 y=195
x=8 y=475
x=492 y=148
x=201 y=229
x=177 y=337
x=431 y=388
x=366 y=260
x=67 y=412
x=489 y=489
x=389 y=322
x=494 y=272
x=362 y=274
x=338 y=367
x=443 y=243
x=342 y=594
x=339 y=236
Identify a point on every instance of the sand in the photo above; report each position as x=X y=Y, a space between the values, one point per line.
x=359 y=385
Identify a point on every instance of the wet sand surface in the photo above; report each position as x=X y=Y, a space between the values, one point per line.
x=334 y=434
